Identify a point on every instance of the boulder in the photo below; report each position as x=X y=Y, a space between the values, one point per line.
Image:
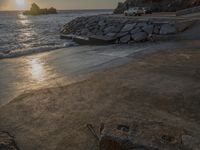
x=190 y=142
x=92 y=20
x=136 y=30
x=111 y=35
x=128 y=27
x=132 y=134
x=156 y=29
x=99 y=33
x=121 y=34
x=84 y=32
x=101 y=23
x=115 y=138
x=109 y=29
x=125 y=39
x=139 y=36
x=142 y=24
x=168 y=29
x=148 y=29
x=7 y=142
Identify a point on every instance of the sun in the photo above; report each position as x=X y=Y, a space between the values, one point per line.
x=20 y=3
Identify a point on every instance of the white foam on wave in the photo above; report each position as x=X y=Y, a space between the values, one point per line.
x=24 y=52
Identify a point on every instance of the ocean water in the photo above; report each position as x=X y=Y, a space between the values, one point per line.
x=21 y=35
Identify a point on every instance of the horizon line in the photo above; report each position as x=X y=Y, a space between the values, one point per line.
x=64 y=9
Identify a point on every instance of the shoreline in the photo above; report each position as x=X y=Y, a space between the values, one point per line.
x=133 y=92
x=151 y=89
x=141 y=29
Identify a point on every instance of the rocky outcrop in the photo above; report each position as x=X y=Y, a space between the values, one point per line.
x=157 y=5
x=35 y=10
x=7 y=142
x=122 y=134
x=102 y=29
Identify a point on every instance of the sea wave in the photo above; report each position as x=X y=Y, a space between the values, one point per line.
x=24 y=52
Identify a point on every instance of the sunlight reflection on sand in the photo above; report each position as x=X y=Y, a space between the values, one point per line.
x=37 y=69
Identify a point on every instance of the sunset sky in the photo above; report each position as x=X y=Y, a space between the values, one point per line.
x=59 y=4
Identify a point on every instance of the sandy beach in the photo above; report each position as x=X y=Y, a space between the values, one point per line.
x=163 y=87
x=157 y=87
x=100 y=75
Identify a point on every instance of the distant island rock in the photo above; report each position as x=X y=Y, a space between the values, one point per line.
x=157 y=5
x=36 y=10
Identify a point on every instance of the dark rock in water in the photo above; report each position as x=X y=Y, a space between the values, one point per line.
x=7 y=142
x=35 y=10
x=51 y=10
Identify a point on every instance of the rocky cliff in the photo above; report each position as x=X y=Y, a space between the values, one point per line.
x=36 y=10
x=158 y=5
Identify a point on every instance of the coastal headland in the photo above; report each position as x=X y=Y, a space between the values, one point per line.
x=36 y=10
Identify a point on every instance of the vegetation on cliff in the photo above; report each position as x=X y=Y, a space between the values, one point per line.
x=157 y=5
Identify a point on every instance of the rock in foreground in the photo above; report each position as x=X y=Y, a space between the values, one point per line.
x=35 y=10
x=7 y=142
x=127 y=134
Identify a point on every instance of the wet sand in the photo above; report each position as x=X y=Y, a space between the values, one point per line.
x=62 y=67
x=163 y=87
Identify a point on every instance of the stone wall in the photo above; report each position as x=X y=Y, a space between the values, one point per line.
x=121 y=30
